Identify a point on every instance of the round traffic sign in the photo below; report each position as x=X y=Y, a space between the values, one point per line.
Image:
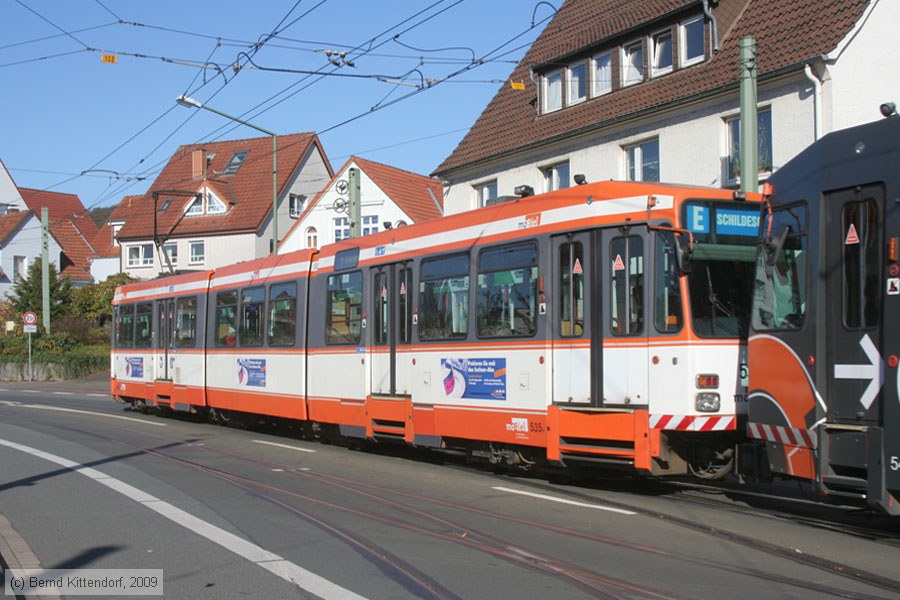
x=29 y=318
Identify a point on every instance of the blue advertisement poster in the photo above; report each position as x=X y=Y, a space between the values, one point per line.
x=252 y=372
x=134 y=367
x=474 y=378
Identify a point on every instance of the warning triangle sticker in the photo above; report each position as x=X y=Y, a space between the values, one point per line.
x=577 y=267
x=852 y=236
x=402 y=288
x=618 y=265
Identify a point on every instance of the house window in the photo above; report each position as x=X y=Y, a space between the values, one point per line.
x=551 y=94
x=140 y=256
x=764 y=142
x=312 y=237
x=691 y=41
x=20 y=267
x=370 y=224
x=165 y=204
x=206 y=204
x=556 y=177
x=577 y=83
x=214 y=206
x=632 y=63
x=661 y=51
x=602 y=67
x=237 y=159
x=341 y=229
x=195 y=207
x=643 y=161
x=485 y=192
x=198 y=252
x=172 y=252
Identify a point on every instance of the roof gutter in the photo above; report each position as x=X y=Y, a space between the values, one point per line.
x=715 y=25
x=817 y=100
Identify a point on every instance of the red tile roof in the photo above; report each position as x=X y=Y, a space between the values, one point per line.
x=71 y=226
x=10 y=223
x=788 y=35
x=248 y=192
x=103 y=242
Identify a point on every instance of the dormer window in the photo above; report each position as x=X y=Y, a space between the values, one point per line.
x=602 y=74
x=661 y=52
x=576 y=83
x=206 y=204
x=691 y=41
x=237 y=159
x=633 y=63
x=551 y=92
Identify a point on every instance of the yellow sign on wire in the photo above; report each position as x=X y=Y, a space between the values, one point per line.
x=109 y=58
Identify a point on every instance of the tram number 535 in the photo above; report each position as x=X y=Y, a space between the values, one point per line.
x=895 y=463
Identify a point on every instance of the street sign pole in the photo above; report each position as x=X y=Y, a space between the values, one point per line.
x=30 y=321
x=30 y=369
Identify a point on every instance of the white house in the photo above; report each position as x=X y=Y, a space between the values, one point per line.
x=649 y=90
x=389 y=197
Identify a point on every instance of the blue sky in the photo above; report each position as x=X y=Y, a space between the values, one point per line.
x=76 y=124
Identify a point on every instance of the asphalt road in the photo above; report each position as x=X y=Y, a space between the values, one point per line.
x=227 y=513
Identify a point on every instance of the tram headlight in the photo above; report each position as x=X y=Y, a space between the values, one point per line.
x=707 y=402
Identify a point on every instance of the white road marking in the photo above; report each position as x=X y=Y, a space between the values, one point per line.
x=283 y=446
x=564 y=501
x=306 y=580
x=93 y=414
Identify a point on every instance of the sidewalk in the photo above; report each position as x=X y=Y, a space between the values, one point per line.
x=93 y=384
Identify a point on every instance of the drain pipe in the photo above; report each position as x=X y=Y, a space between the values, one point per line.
x=715 y=25
x=817 y=100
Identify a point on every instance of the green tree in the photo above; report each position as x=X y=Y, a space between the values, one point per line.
x=27 y=293
x=94 y=301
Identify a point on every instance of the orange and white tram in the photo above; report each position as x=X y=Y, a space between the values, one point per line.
x=601 y=324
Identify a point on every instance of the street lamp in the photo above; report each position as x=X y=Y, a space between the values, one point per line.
x=191 y=103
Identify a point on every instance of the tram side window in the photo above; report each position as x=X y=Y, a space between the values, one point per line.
x=283 y=314
x=571 y=290
x=627 y=285
x=444 y=298
x=251 y=331
x=507 y=291
x=861 y=262
x=343 y=308
x=143 y=334
x=125 y=326
x=668 y=314
x=404 y=330
x=186 y=322
x=780 y=296
x=226 y=318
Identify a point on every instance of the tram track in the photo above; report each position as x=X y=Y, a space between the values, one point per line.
x=417 y=583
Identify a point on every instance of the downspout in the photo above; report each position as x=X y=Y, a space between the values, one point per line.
x=715 y=25
x=817 y=100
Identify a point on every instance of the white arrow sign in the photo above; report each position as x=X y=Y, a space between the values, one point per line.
x=874 y=371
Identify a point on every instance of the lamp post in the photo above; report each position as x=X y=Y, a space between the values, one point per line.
x=191 y=103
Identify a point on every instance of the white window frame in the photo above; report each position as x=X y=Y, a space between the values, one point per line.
x=144 y=255
x=552 y=178
x=195 y=208
x=20 y=268
x=599 y=86
x=197 y=258
x=485 y=191
x=628 y=66
x=214 y=206
x=634 y=160
x=732 y=122
x=370 y=224
x=683 y=58
x=341 y=228
x=552 y=81
x=575 y=86
x=312 y=237
x=171 y=249
x=654 y=39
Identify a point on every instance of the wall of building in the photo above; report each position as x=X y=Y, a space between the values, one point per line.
x=218 y=251
x=26 y=242
x=693 y=145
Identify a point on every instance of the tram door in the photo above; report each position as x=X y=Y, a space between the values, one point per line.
x=166 y=339
x=391 y=324
x=854 y=262
x=577 y=351
x=623 y=297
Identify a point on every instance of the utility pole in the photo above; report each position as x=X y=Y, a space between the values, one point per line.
x=45 y=268
x=355 y=211
x=749 y=147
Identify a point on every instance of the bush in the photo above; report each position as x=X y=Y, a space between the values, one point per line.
x=62 y=349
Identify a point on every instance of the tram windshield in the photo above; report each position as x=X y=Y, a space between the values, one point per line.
x=722 y=267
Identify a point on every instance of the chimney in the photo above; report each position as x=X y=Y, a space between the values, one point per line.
x=198 y=163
